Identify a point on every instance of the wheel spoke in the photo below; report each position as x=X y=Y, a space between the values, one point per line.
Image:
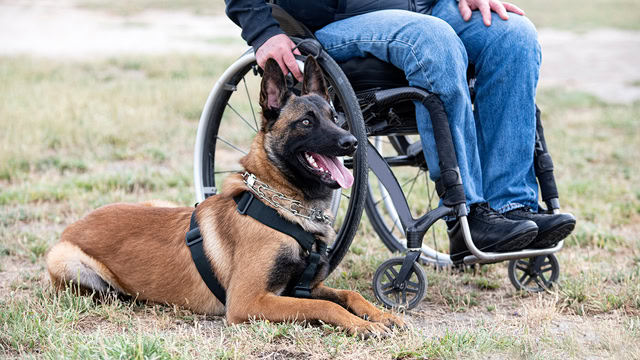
x=230 y=144
x=414 y=284
x=550 y=268
x=412 y=184
x=388 y=291
x=524 y=276
x=253 y=112
x=395 y=273
x=404 y=297
x=242 y=117
x=387 y=285
x=413 y=291
x=395 y=225
x=381 y=200
x=521 y=267
x=544 y=279
x=523 y=262
x=529 y=280
x=389 y=276
x=345 y=195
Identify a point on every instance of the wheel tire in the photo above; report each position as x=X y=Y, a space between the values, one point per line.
x=523 y=271
x=212 y=117
x=388 y=271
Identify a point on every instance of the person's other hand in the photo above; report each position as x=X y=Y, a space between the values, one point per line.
x=485 y=7
x=279 y=48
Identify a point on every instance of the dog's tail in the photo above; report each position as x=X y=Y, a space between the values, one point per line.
x=67 y=263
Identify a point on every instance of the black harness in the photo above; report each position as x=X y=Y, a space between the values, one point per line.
x=249 y=205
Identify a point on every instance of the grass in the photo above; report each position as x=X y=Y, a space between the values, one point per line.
x=126 y=8
x=79 y=135
x=568 y=14
x=122 y=130
x=581 y=15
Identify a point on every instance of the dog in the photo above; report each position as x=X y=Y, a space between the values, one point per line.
x=140 y=250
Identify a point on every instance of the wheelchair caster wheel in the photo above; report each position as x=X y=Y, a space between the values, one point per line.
x=401 y=296
x=534 y=274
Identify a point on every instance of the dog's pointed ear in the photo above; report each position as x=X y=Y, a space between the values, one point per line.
x=273 y=91
x=314 y=79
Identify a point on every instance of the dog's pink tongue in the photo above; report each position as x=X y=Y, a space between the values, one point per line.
x=339 y=173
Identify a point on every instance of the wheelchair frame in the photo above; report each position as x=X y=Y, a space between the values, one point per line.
x=413 y=228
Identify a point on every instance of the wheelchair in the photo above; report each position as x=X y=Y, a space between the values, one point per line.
x=376 y=104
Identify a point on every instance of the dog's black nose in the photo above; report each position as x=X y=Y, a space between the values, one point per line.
x=348 y=142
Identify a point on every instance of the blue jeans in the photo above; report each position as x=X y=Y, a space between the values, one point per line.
x=494 y=138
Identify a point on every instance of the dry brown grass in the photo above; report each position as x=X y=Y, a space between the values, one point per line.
x=79 y=135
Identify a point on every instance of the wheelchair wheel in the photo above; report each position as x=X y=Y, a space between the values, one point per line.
x=400 y=296
x=231 y=118
x=420 y=193
x=534 y=274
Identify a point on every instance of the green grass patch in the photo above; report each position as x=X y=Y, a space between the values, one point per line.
x=127 y=8
x=77 y=136
x=583 y=16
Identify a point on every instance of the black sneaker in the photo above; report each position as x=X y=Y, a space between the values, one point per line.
x=551 y=227
x=491 y=232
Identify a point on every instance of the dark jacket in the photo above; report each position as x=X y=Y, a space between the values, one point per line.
x=254 y=16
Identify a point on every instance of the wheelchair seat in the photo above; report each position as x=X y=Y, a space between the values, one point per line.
x=366 y=73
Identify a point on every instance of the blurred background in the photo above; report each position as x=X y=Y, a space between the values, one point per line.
x=99 y=103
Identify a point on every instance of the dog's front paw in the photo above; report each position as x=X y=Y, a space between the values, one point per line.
x=388 y=320
x=366 y=329
x=391 y=320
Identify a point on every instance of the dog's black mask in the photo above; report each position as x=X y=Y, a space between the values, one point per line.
x=302 y=137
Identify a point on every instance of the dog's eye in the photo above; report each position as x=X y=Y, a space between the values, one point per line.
x=306 y=122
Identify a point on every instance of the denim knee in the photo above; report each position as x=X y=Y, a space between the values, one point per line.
x=440 y=54
x=523 y=36
x=519 y=37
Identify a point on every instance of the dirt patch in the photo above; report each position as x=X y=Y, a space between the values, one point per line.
x=59 y=30
x=601 y=62
x=17 y=275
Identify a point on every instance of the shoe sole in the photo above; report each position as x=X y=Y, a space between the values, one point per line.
x=553 y=236
x=516 y=244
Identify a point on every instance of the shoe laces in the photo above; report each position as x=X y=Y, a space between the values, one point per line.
x=489 y=212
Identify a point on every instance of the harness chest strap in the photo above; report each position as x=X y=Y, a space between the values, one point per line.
x=194 y=242
x=249 y=205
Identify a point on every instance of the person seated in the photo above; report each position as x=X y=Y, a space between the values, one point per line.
x=433 y=41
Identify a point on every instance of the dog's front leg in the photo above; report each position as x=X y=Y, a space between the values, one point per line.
x=357 y=304
x=281 y=308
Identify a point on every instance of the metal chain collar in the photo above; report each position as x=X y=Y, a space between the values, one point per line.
x=295 y=207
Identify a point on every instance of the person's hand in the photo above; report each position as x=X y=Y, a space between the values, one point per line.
x=485 y=7
x=279 y=48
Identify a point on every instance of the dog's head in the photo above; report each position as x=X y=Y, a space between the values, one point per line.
x=301 y=136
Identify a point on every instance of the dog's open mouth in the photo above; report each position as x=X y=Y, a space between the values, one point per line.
x=328 y=168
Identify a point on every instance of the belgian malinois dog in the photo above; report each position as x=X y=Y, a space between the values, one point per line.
x=140 y=250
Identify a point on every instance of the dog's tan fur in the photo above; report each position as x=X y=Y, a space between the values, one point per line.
x=139 y=249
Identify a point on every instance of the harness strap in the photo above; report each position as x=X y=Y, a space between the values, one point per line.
x=194 y=242
x=249 y=205
x=270 y=217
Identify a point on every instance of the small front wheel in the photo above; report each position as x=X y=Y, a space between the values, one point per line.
x=534 y=274
x=398 y=295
